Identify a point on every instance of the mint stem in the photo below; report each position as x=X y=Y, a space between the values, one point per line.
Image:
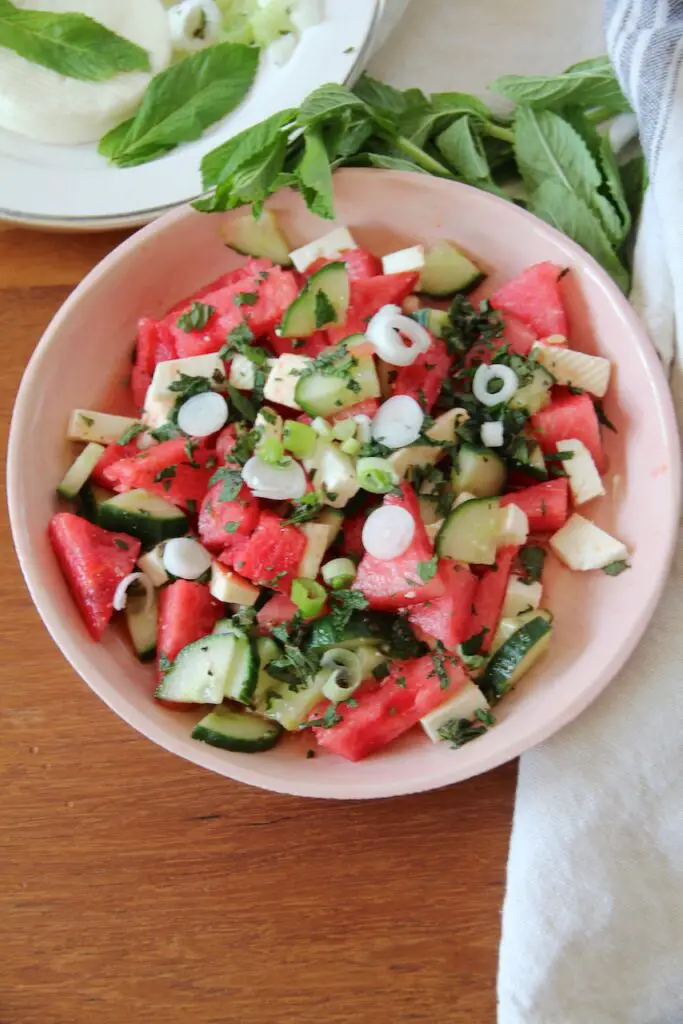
x=422 y=159
x=494 y=131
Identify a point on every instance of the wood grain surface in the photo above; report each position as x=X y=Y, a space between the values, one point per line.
x=138 y=889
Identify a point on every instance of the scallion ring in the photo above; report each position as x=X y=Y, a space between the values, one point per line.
x=339 y=573
x=345 y=675
x=309 y=596
x=505 y=379
x=376 y=475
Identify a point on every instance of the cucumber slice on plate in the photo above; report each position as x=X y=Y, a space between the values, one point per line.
x=242 y=676
x=535 y=394
x=237 y=730
x=206 y=671
x=80 y=470
x=478 y=471
x=257 y=236
x=470 y=532
x=142 y=621
x=322 y=302
x=143 y=515
x=437 y=321
x=321 y=393
x=447 y=271
x=89 y=499
x=516 y=656
x=509 y=625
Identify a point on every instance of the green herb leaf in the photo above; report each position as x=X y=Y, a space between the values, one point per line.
x=616 y=568
x=187 y=386
x=73 y=45
x=182 y=101
x=472 y=646
x=244 y=149
x=196 y=317
x=246 y=299
x=121 y=544
x=314 y=176
x=168 y=473
x=306 y=507
x=344 y=603
x=325 y=313
x=131 y=433
x=244 y=406
x=462 y=148
x=532 y=558
x=232 y=482
x=328 y=100
x=591 y=83
x=428 y=570
x=459 y=731
x=602 y=415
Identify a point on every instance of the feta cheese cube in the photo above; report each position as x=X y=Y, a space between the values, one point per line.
x=328 y=245
x=514 y=526
x=584 y=478
x=336 y=477
x=591 y=373
x=404 y=260
x=583 y=546
x=230 y=587
x=520 y=597
x=152 y=564
x=317 y=541
x=283 y=379
x=464 y=705
x=243 y=372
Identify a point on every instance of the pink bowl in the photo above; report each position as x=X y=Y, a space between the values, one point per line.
x=599 y=620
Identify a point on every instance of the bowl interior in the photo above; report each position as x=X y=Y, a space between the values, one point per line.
x=85 y=357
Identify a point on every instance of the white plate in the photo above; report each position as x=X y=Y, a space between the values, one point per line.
x=73 y=187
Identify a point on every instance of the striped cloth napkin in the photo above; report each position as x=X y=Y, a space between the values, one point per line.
x=593 y=915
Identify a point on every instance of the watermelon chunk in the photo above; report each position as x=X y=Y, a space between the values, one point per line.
x=94 y=561
x=187 y=612
x=168 y=470
x=278 y=609
x=311 y=346
x=367 y=297
x=546 y=505
x=424 y=378
x=489 y=596
x=232 y=277
x=447 y=618
x=222 y=522
x=569 y=416
x=368 y=407
x=534 y=297
x=114 y=452
x=382 y=713
x=360 y=264
x=272 y=555
x=225 y=442
x=154 y=345
x=396 y=583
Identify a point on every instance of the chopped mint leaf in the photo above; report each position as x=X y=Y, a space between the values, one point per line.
x=616 y=568
x=121 y=544
x=246 y=299
x=427 y=570
x=232 y=482
x=196 y=317
x=532 y=558
x=129 y=435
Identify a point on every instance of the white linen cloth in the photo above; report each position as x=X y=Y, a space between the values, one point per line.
x=593 y=916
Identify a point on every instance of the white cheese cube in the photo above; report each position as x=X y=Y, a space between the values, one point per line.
x=243 y=372
x=232 y=588
x=317 y=542
x=101 y=427
x=160 y=400
x=583 y=546
x=514 y=526
x=152 y=564
x=283 y=379
x=404 y=260
x=520 y=597
x=576 y=368
x=328 y=245
x=336 y=477
x=464 y=705
x=584 y=479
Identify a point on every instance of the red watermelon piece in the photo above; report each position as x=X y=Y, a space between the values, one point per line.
x=488 y=598
x=272 y=555
x=545 y=505
x=396 y=583
x=447 y=618
x=424 y=378
x=154 y=345
x=311 y=346
x=187 y=612
x=384 y=712
x=367 y=297
x=94 y=561
x=278 y=609
x=360 y=264
x=232 y=277
x=114 y=452
x=222 y=522
x=534 y=298
x=368 y=407
x=569 y=416
x=166 y=469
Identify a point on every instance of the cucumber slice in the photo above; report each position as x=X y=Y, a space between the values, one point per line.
x=309 y=312
x=322 y=394
x=447 y=271
x=479 y=471
x=516 y=656
x=257 y=237
x=526 y=455
x=510 y=624
x=437 y=321
x=266 y=685
x=90 y=497
x=142 y=622
x=238 y=730
x=80 y=470
x=470 y=532
x=291 y=708
x=391 y=634
x=535 y=394
x=217 y=666
x=143 y=515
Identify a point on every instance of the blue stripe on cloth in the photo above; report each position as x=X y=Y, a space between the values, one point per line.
x=645 y=38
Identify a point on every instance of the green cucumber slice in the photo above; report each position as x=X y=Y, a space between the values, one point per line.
x=257 y=236
x=208 y=670
x=391 y=634
x=238 y=730
x=447 y=271
x=437 y=321
x=478 y=471
x=516 y=656
x=470 y=532
x=510 y=625
x=535 y=394
x=309 y=312
x=79 y=471
x=142 y=621
x=324 y=394
x=90 y=498
x=143 y=515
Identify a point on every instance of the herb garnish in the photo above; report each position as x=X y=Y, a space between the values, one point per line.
x=427 y=570
x=461 y=730
x=344 y=603
x=532 y=558
x=131 y=433
x=306 y=507
x=245 y=298
x=196 y=317
x=232 y=482
x=616 y=568
x=325 y=313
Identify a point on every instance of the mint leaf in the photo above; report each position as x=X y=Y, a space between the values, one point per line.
x=325 y=313
x=232 y=482
x=616 y=568
x=182 y=101
x=196 y=317
x=243 y=405
x=73 y=45
x=314 y=176
x=549 y=149
x=328 y=100
x=394 y=163
x=589 y=84
x=570 y=214
x=427 y=570
x=221 y=163
x=463 y=150
x=443 y=108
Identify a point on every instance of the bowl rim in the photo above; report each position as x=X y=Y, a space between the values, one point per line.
x=76 y=654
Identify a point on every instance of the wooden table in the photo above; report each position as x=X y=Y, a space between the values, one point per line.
x=138 y=889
